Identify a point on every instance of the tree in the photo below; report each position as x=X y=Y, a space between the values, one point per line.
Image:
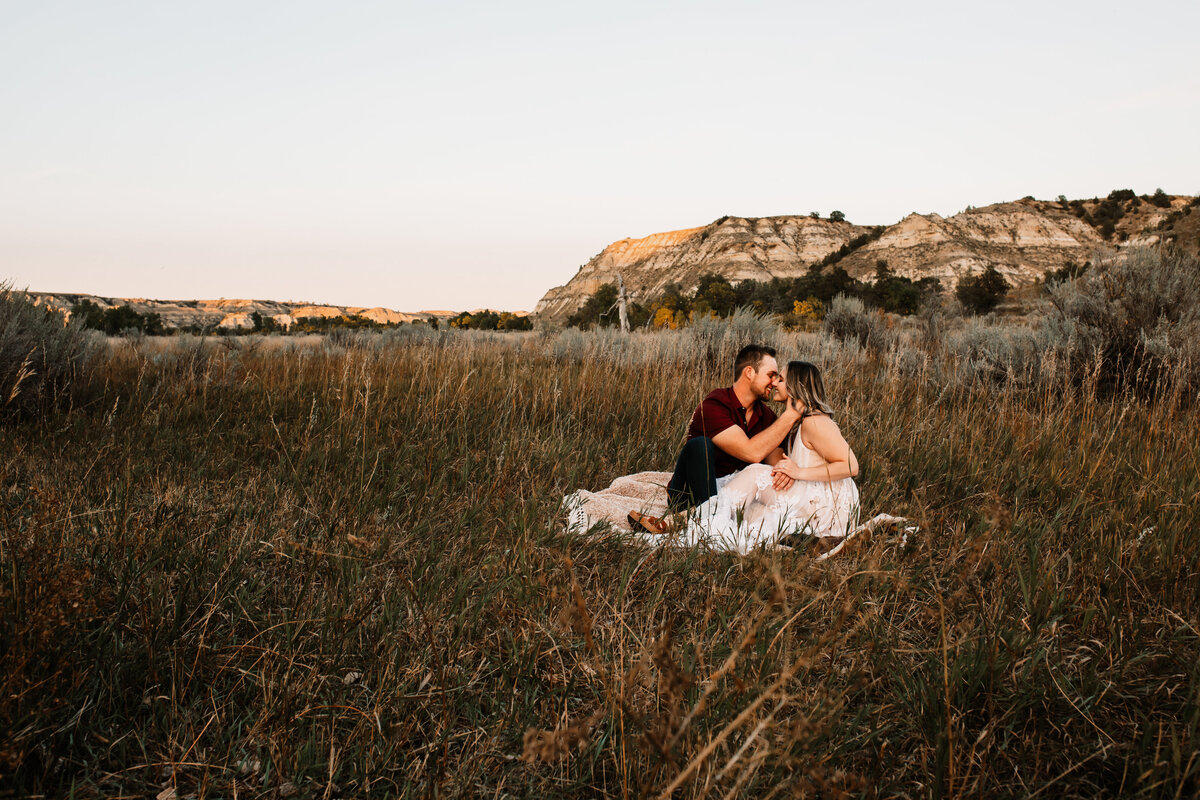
x=837 y=216
x=596 y=309
x=979 y=294
x=263 y=324
x=664 y=318
x=115 y=321
x=512 y=322
x=152 y=324
x=714 y=293
x=87 y=312
x=1160 y=199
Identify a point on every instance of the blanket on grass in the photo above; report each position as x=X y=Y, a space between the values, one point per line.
x=647 y=492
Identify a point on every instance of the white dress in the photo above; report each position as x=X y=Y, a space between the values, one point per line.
x=747 y=512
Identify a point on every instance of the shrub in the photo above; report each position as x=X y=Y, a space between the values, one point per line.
x=42 y=357
x=1068 y=272
x=1105 y=215
x=805 y=315
x=979 y=294
x=1133 y=320
x=998 y=354
x=837 y=216
x=718 y=340
x=936 y=316
x=849 y=321
x=1160 y=199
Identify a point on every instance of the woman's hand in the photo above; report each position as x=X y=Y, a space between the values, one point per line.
x=784 y=470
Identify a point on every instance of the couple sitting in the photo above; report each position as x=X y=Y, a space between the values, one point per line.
x=758 y=478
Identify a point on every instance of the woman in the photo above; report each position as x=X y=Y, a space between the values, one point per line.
x=823 y=501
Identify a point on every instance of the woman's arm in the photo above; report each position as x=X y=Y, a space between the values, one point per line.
x=821 y=434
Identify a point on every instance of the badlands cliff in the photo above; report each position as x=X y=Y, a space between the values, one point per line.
x=736 y=247
x=1023 y=240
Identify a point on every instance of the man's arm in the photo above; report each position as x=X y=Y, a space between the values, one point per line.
x=733 y=440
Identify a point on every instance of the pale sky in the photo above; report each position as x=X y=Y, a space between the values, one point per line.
x=460 y=155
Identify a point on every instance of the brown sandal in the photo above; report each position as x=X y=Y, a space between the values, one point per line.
x=644 y=522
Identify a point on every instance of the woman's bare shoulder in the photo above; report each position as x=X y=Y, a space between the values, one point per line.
x=818 y=424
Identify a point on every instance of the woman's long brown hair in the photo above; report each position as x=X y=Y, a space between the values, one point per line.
x=804 y=384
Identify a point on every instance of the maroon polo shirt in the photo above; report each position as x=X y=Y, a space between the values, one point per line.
x=721 y=410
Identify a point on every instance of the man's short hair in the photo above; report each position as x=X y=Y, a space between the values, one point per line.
x=750 y=356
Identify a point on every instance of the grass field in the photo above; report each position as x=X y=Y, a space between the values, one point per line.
x=337 y=569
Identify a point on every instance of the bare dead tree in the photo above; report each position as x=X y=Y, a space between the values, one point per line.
x=621 y=304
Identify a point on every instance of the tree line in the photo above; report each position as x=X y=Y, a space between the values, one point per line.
x=120 y=320
x=796 y=302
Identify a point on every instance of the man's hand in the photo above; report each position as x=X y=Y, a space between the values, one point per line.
x=781 y=474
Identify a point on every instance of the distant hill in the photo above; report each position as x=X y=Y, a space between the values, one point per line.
x=735 y=247
x=233 y=314
x=1023 y=240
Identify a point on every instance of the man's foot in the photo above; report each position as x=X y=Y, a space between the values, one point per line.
x=644 y=522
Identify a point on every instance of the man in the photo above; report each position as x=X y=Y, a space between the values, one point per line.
x=730 y=429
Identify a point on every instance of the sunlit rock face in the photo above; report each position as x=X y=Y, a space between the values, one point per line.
x=736 y=247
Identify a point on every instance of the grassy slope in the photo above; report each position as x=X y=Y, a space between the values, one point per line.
x=342 y=571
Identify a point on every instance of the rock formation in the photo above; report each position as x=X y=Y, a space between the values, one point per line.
x=735 y=247
x=229 y=315
x=1023 y=240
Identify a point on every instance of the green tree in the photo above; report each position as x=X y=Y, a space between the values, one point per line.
x=979 y=294
x=121 y=318
x=837 y=216
x=90 y=314
x=598 y=310
x=511 y=322
x=714 y=293
x=263 y=324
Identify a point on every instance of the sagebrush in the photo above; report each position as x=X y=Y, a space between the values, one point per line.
x=42 y=357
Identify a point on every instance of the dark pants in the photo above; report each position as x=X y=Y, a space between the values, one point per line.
x=695 y=478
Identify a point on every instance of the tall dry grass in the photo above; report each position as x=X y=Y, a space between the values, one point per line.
x=339 y=570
